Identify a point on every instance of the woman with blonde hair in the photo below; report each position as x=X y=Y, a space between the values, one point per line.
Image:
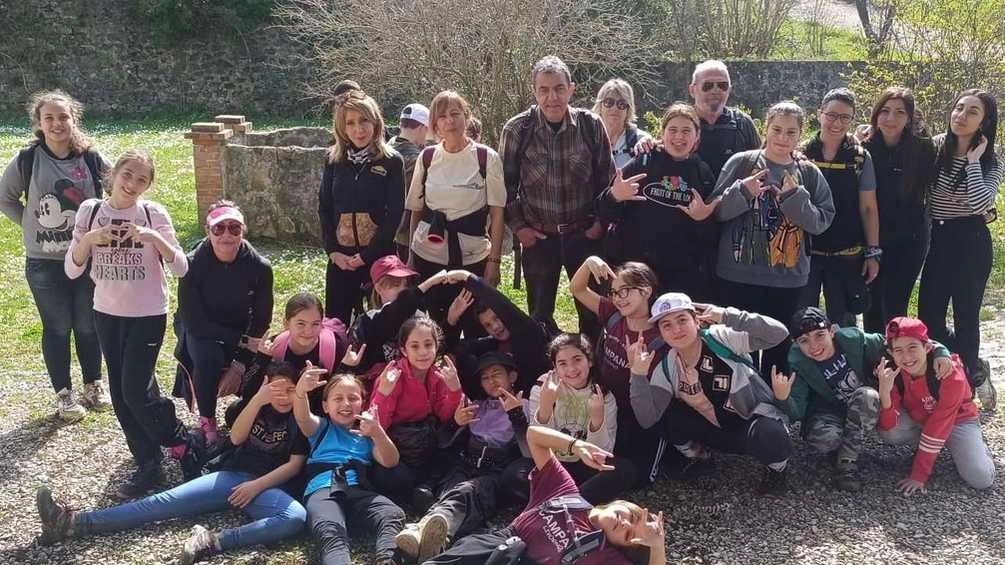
x=615 y=104
x=360 y=201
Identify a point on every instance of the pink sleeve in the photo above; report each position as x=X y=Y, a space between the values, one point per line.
x=550 y=481
x=178 y=265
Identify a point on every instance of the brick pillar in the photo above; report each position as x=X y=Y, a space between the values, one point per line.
x=236 y=123
x=208 y=142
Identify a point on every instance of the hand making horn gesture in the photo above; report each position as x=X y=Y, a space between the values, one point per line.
x=369 y=424
x=465 y=412
x=353 y=358
x=388 y=379
x=781 y=384
x=626 y=188
x=755 y=183
x=697 y=209
x=509 y=401
x=639 y=356
x=310 y=379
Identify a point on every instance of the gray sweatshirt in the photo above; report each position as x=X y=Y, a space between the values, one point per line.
x=764 y=241
x=46 y=211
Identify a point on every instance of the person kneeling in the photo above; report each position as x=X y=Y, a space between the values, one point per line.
x=270 y=451
x=704 y=390
x=558 y=525
x=919 y=408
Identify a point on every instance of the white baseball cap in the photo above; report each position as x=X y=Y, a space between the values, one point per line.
x=416 y=112
x=669 y=303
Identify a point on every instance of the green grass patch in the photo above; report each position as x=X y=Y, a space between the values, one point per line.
x=812 y=41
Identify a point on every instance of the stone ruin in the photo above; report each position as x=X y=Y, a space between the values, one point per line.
x=273 y=176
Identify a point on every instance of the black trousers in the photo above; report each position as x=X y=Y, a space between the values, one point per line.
x=344 y=291
x=645 y=448
x=765 y=439
x=775 y=302
x=477 y=549
x=542 y=264
x=898 y=271
x=467 y=500
x=957 y=270
x=331 y=514
x=838 y=276
x=131 y=346
x=440 y=297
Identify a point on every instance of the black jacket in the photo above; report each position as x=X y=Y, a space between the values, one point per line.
x=222 y=301
x=360 y=206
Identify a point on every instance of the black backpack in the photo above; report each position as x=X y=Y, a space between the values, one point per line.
x=26 y=162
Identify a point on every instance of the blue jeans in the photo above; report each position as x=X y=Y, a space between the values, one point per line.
x=64 y=305
x=276 y=515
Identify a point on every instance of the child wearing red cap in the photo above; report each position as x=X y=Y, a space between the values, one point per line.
x=918 y=408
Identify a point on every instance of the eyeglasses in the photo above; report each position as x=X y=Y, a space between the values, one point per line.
x=723 y=85
x=610 y=103
x=234 y=228
x=623 y=292
x=845 y=119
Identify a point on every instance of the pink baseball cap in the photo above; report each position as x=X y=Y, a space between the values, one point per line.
x=224 y=213
x=390 y=265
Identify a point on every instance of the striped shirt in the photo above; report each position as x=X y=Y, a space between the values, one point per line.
x=557 y=175
x=963 y=189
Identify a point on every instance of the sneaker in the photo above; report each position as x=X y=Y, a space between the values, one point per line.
x=68 y=409
x=773 y=482
x=846 y=476
x=208 y=427
x=199 y=547
x=142 y=481
x=191 y=455
x=986 y=390
x=432 y=536
x=407 y=541
x=95 y=397
x=422 y=499
x=57 y=519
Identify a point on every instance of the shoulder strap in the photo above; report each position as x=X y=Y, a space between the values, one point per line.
x=94 y=214
x=933 y=381
x=631 y=138
x=327 y=345
x=482 y=153
x=280 y=345
x=723 y=352
x=325 y=424
x=427 y=160
x=94 y=165
x=25 y=164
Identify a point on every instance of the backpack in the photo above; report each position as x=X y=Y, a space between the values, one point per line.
x=583 y=544
x=26 y=161
x=481 y=151
x=331 y=343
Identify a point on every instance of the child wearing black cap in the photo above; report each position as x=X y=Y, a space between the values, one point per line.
x=482 y=440
x=832 y=388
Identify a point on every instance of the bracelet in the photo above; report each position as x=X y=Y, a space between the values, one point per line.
x=572 y=445
x=493 y=260
x=873 y=252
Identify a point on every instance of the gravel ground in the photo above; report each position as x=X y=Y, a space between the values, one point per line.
x=720 y=523
x=834 y=13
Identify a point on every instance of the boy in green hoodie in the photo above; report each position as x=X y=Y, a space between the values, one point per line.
x=833 y=389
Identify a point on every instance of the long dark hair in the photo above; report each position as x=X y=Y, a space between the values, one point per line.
x=988 y=128
x=919 y=153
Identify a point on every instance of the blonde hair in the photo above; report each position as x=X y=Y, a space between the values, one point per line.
x=79 y=141
x=441 y=105
x=620 y=88
x=680 y=110
x=358 y=101
x=131 y=155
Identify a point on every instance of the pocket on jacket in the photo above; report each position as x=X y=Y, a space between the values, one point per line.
x=365 y=229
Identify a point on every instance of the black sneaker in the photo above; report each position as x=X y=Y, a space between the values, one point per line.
x=846 y=476
x=194 y=457
x=57 y=519
x=142 y=481
x=773 y=483
x=422 y=499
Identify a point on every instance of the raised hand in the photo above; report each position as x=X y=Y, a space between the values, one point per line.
x=460 y=305
x=789 y=183
x=599 y=269
x=465 y=412
x=755 y=183
x=974 y=155
x=639 y=356
x=353 y=358
x=449 y=374
x=101 y=236
x=781 y=384
x=509 y=401
x=646 y=145
x=697 y=209
x=652 y=532
x=709 y=314
x=863 y=132
x=624 y=189
x=310 y=379
x=592 y=456
x=456 y=276
x=886 y=375
x=265 y=346
x=369 y=423
x=388 y=379
x=596 y=407
x=549 y=392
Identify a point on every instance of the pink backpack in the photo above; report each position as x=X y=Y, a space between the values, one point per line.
x=332 y=345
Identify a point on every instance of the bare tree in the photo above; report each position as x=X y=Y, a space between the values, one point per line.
x=726 y=28
x=877 y=17
x=410 y=49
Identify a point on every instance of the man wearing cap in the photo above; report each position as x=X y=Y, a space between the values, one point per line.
x=414 y=127
x=226 y=294
x=556 y=162
x=833 y=389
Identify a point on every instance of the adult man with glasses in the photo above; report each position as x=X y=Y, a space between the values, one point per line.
x=556 y=161
x=226 y=295
x=724 y=130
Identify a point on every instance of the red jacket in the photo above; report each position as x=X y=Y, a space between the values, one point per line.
x=413 y=400
x=936 y=418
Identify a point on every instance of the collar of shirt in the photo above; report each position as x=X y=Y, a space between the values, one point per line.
x=569 y=119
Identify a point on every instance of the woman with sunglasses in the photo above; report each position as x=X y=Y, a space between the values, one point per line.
x=615 y=105
x=226 y=294
x=624 y=315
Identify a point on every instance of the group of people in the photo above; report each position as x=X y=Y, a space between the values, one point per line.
x=415 y=383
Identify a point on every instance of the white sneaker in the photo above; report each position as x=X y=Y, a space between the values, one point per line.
x=432 y=536
x=68 y=409
x=95 y=397
x=407 y=540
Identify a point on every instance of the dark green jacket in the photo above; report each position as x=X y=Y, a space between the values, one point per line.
x=863 y=351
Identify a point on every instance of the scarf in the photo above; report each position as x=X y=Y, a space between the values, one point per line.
x=359 y=156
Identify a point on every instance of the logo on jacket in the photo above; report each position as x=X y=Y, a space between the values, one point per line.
x=669 y=191
x=55 y=213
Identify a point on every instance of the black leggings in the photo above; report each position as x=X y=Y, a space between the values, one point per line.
x=366 y=512
x=765 y=439
x=776 y=302
x=898 y=271
x=344 y=291
x=957 y=270
x=131 y=346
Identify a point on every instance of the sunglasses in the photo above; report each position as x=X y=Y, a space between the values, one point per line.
x=233 y=227
x=623 y=292
x=610 y=103
x=708 y=86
